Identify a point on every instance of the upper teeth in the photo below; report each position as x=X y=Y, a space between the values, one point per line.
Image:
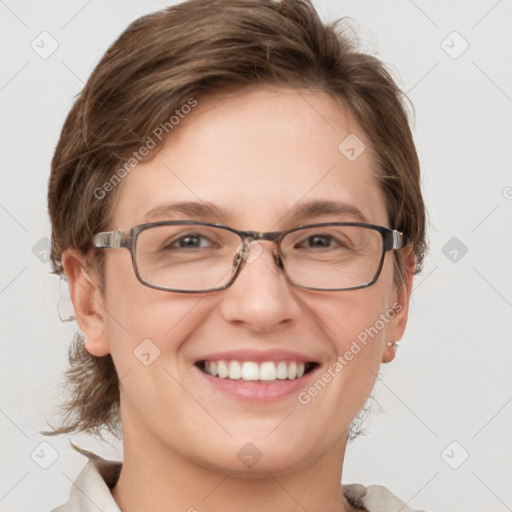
x=249 y=370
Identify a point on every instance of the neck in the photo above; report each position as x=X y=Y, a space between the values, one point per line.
x=156 y=478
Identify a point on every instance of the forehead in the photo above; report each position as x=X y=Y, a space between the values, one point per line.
x=255 y=157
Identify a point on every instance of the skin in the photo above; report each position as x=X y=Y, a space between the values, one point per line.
x=255 y=154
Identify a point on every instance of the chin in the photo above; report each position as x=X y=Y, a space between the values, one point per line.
x=257 y=460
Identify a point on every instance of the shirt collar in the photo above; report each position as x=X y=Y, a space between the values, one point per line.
x=91 y=491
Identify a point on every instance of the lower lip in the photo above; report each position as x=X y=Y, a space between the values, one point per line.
x=257 y=391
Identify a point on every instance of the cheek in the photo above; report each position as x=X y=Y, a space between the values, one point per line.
x=136 y=313
x=355 y=332
x=354 y=325
x=147 y=333
x=356 y=315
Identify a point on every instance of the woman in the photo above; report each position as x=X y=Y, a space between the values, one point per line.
x=235 y=203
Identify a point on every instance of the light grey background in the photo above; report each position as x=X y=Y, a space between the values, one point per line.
x=451 y=378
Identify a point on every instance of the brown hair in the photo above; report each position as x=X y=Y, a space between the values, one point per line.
x=195 y=49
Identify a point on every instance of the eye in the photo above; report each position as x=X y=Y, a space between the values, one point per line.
x=322 y=241
x=189 y=241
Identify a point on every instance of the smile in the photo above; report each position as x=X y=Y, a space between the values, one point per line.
x=251 y=371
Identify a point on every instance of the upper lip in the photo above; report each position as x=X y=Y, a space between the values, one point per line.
x=258 y=356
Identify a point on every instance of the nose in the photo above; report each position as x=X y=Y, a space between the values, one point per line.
x=261 y=297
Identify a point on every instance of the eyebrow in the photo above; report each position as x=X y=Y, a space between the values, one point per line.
x=317 y=208
x=199 y=210
x=205 y=210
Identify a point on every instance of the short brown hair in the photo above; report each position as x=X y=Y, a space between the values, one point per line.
x=196 y=49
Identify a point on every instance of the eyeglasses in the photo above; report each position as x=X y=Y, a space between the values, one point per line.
x=198 y=257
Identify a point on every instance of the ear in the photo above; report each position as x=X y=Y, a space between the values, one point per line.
x=87 y=300
x=396 y=326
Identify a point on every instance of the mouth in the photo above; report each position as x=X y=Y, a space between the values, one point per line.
x=251 y=371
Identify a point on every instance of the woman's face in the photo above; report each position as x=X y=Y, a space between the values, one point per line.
x=256 y=157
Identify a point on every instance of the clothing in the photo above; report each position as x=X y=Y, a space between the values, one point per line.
x=91 y=491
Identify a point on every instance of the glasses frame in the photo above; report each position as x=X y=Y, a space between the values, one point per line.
x=391 y=240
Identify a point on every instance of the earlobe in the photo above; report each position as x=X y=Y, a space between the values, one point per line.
x=389 y=352
x=87 y=300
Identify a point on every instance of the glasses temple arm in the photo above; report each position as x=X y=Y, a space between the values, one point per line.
x=399 y=241
x=109 y=240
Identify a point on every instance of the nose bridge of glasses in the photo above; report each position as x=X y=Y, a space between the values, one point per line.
x=261 y=235
x=258 y=236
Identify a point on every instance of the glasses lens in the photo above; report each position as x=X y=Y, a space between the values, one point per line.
x=332 y=257
x=201 y=258
x=186 y=257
